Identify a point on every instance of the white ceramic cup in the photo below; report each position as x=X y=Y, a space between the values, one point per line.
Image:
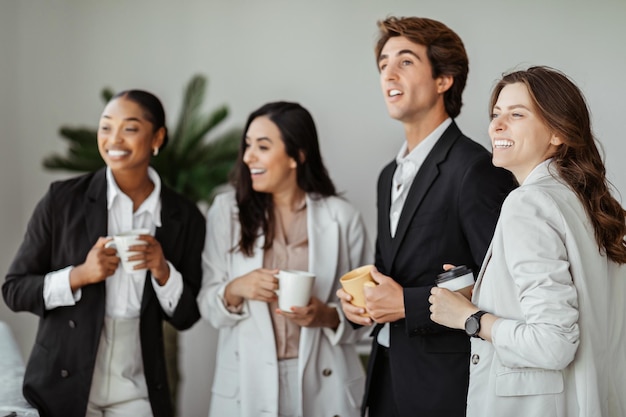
x=294 y=288
x=122 y=241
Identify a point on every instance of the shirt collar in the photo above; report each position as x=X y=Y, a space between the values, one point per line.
x=150 y=205
x=422 y=149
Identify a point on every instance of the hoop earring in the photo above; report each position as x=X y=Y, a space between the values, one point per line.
x=155 y=152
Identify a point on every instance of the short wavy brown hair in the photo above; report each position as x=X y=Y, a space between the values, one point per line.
x=445 y=51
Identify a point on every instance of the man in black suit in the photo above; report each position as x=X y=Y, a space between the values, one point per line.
x=438 y=202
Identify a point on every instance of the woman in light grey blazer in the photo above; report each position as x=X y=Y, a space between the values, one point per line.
x=547 y=313
x=283 y=214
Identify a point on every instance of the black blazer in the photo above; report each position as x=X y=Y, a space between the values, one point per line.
x=449 y=217
x=64 y=226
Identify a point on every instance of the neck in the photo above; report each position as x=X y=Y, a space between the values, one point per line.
x=416 y=131
x=288 y=200
x=137 y=186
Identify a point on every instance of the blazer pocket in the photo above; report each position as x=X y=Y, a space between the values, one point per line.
x=519 y=382
x=226 y=383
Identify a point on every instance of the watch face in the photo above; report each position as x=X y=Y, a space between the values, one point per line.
x=472 y=325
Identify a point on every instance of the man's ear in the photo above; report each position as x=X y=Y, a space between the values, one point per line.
x=444 y=82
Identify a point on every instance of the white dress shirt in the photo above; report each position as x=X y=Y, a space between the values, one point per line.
x=403 y=176
x=124 y=290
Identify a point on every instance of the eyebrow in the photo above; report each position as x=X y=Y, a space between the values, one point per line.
x=128 y=119
x=514 y=106
x=265 y=138
x=400 y=52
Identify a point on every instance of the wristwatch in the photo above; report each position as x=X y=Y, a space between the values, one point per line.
x=472 y=324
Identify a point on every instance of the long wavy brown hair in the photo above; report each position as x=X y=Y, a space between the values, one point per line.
x=562 y=107
x=298 y=133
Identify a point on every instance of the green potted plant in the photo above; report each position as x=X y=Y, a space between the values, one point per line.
x=191 y=163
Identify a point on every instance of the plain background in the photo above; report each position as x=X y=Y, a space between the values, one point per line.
x=56 y=56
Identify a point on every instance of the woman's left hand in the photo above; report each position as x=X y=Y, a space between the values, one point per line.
x=449 y=308
x=316 y=314
x=153 y=259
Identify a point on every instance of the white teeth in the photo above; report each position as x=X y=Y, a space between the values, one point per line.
x=393 y=93
x=502 y=143
x=256 y=171
x=117 y=152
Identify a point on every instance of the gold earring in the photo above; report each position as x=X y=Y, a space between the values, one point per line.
x=155 y=152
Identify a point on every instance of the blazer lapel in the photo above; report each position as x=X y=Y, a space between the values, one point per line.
x=385 y=243
x=424 y=179
x=323 y=234
x=167 y=235
x=95 y=214
x=482 y=271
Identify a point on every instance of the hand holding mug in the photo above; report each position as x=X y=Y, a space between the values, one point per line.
x=259 y=284
x=316 y=314
x=101 y=262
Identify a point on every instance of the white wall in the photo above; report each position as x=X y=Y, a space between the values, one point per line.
x=57 y=55
x=11 y=200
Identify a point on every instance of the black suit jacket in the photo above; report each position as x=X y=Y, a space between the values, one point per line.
x=65 y=225
x=449 y=217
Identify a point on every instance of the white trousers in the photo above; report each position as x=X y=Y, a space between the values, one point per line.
x=119 y=388
x=288 y=388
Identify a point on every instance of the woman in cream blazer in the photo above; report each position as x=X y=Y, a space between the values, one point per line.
x=549 y=336
x=330 y=377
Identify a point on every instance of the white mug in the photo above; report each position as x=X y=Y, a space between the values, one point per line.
x=122 y=241
x=294 y=288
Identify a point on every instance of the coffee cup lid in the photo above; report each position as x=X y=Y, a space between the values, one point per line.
x=455 y=272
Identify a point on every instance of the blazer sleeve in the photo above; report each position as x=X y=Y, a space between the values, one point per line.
x=215 y=258
x=186 y=313
x=359 y=253
x=23 y=286
x=482 y=190
x=536 y=257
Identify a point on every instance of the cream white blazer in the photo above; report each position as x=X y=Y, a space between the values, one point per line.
x=560 y=347
x=246 y=372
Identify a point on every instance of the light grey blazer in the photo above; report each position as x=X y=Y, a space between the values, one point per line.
x=560 y=347
x=331 y=378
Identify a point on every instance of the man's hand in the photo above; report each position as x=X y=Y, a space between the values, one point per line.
x=355 y=314
x=384 y=302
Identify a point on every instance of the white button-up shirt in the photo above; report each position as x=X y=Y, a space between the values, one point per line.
x=124 y=291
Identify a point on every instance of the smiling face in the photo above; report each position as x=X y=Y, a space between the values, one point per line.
x=520 y=138
x=126 y=138
x=406 y=77
x=271 y=169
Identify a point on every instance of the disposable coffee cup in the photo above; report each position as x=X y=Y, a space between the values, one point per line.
x=354 y=281
x=294 y=288
x=122 y=241
x=459 y=278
